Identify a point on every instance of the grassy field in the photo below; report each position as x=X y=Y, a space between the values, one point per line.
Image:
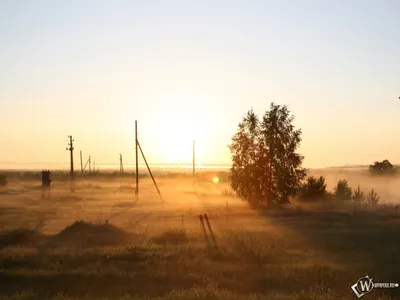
x=98 y=242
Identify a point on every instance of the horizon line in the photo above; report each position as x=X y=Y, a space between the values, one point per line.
x=110 y=167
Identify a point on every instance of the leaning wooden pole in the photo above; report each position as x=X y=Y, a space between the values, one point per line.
x=81 y=162
x=151 y=174
x=137 y=161
x=84 y=168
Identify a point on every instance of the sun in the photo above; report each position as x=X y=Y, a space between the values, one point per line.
x=176 y=135
x=176 y=150
x=177 y=142
x=173 y=126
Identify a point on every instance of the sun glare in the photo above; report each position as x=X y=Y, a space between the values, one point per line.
x=177 y=146
x=215 y=180
x=181 y=126
x=167 y=132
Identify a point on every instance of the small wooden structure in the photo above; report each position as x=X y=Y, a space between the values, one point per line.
x=46 y=181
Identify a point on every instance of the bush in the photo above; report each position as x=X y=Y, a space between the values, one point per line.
x=358 y=196
x=342 y=191
x=313 y=189
x=3 y=180
x=373 y=198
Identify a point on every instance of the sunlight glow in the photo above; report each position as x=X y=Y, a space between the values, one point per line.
x=181 y=123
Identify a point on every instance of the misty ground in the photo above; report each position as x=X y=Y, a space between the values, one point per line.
x=98 y=242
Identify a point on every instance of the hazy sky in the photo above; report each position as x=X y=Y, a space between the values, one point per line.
x=191 y=69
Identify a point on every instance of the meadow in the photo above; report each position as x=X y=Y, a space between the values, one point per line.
x=92 y=239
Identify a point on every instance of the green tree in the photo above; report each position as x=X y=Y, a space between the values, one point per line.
x=373 y=198
x=266 y=167
x=358 y=196
x=342 y=191
x=313 y=189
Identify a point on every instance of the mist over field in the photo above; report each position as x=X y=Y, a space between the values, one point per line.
x=388 y=187
x=61 y=244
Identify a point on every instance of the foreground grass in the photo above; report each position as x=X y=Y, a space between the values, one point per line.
x=316 y=261
x=282 y=254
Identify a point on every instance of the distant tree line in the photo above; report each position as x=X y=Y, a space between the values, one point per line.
x=383 y=168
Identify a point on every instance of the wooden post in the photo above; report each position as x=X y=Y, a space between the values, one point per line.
x=81 y=162
x=151 y=174
x=46 y=181
x=204 y=230
x=137 y=161
x=210 y=229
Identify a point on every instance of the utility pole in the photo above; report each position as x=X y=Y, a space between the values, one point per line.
x=71 y=149
x=137 y=145
x=121 y=165
x=137 y=161
x=81 y=162
x=194 y=165
x=90 y=170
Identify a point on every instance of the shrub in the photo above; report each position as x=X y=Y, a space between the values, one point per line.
x=313 y=189
x=373 y=198
x=358 y=195
x=342 y=191
x=3 y=180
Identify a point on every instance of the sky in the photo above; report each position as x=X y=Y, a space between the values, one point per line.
x=190 y=70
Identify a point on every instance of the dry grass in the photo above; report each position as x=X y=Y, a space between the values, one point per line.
x=150 y=249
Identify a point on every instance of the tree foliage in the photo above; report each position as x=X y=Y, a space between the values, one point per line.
x=266 y=167
x=372 y=198
x=313 y=189
x=342 y=191
x=358 y=196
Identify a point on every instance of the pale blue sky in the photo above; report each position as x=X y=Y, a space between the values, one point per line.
x=90 y=68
